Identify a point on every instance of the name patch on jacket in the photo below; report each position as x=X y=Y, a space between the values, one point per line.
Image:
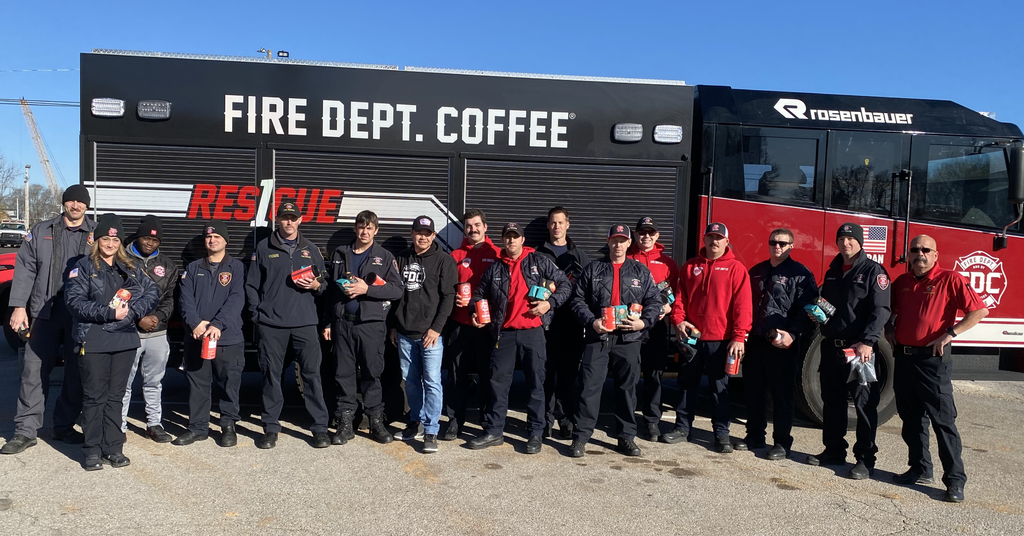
x=273 y=255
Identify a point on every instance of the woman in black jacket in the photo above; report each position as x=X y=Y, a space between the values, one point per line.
x=106 y=337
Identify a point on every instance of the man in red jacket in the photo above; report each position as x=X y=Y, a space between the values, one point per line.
x=714 y=299
x=468 y=348
x=654 y=350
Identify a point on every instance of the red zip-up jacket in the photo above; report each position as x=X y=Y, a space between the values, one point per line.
x=715 y=297
x=471 y=262
x=663 y=268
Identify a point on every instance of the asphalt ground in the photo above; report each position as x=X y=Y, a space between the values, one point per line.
x=364 y=487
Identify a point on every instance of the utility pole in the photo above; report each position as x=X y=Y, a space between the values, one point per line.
x=28 y=225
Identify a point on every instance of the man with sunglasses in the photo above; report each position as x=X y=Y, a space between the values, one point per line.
x=654 y=349
x=714 y=299
x=780 y=287
x=858 y=287
x=923 y=324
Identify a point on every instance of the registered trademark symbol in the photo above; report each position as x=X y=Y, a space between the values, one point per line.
x=572 y=115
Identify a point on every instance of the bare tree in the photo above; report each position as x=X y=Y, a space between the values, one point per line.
x=9 y=173
x=44 y=204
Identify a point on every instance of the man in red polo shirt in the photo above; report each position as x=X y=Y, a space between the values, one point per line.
x=466 y=348
x=925 y=303
x=654 y=349
x=517 y=324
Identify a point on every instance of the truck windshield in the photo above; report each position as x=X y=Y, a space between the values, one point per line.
x=12 y=226
x=963 y=184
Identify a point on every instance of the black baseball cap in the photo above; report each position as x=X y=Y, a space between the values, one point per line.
x=423 y=223
x=511 y=227
x=646 y=223
x=717 y=228
x=619 y=230
x=288 y=209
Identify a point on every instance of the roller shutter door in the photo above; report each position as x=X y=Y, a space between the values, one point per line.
x=596 y=196
x=396 y=188
x=135 y=180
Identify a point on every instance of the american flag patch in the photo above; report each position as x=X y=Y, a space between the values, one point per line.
x=876 y=238
x=73 y=273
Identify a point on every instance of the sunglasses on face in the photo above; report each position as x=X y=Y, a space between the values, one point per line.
x=921 y=250
x=779 y=243
x=646 y=232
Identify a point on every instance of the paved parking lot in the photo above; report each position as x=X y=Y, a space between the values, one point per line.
x=364 y=487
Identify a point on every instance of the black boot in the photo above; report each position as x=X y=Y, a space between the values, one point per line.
x=378 y=431
x=345 y=431
x=228 y=437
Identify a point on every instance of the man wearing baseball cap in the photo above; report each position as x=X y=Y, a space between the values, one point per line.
x=714 y=300
x=858 y=287
x=283 y=307
x=152 y=356
x=517 y=324
x=212 y=298
x=50 y=250
x=611 y=282
x=654 y=349
x=429 y=277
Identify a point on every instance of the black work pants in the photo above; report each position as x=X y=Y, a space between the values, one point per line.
x=104 y=381
x=359 y=346
x=768 y=369
x=835 y=390
x=226 y=368
x=528 y=346
x=924 y=391
x=710 y=360
x=623 y=359
x=466 y=350
x=41 y=354
x=564 y=344
x=274 y=344
x=653 y=358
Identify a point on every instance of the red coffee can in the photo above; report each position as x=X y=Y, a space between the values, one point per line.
x=483 y=312
x=732 y=365
x=121 y=296
x=608 y=314
x=209 y=348
x=465 y=292
x=635 y=310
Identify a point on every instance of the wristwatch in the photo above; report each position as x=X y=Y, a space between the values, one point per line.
x=951 y=332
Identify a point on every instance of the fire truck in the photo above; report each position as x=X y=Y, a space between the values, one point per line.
x=191 y=138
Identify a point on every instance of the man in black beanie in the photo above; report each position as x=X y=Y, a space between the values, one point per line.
x=155 y=351
x=858 y=287
x=50 y=250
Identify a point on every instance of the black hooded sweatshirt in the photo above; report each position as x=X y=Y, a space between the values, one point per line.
x=429 y=291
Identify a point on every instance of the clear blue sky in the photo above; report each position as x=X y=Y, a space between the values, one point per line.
x=960 y=51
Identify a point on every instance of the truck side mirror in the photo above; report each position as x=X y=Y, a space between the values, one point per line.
x=1015 y=191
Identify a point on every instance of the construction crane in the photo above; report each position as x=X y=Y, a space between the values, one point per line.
x=44 y=159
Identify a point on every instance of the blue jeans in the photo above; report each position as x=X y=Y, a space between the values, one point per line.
x=421 y=370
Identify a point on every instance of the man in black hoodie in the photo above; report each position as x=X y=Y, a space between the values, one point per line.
x=365 y=282
x=430 y=278
x=152 y=356
x=282 y=305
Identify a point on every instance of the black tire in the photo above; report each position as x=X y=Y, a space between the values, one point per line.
x=808 y=391
x=12 y=338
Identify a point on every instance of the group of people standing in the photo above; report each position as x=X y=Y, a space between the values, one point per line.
x=482 y=309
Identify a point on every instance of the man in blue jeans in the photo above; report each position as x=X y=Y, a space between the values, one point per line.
x=419 y=316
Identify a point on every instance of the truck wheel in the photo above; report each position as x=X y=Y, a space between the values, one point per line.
x=808 y=388
x=12 y=338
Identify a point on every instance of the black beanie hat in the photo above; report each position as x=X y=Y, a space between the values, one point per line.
x=109 y=225
x=150 y=226
x=851 y=230
x=76 y=192
x=217 y=227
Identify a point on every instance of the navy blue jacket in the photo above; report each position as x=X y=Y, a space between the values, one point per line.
x=216 y=296
x=374 y=305
x=88 y=300
x=274 y=299
x=534 y=267
x=593 y=292
x=779 y=295
x=861 y=299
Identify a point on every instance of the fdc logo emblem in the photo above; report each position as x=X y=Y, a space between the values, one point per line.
x=986 y=276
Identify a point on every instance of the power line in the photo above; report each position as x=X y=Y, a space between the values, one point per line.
x=17 y=102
